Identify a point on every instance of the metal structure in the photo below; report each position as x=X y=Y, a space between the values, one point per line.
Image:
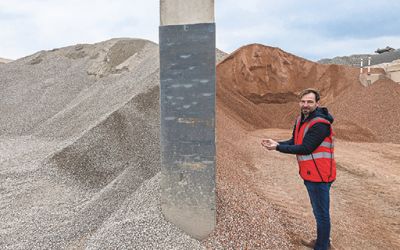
x=187 y=100
x=386 y=49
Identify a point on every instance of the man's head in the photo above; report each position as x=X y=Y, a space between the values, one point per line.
x=309 y=100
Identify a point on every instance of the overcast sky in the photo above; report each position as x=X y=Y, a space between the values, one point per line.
x=312 y=29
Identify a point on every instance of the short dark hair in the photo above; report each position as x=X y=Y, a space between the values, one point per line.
x=310 y=90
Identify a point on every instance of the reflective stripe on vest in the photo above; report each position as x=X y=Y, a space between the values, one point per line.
x=326 y=144
x=315 y=156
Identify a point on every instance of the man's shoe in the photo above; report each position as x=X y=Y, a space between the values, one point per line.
x=331 y=246
x=308 y=243
x=311 y=244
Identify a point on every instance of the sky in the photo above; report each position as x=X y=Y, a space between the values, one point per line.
x=312 y=29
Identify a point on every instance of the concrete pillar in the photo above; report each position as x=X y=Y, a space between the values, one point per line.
x=181 y=12
x=187 y=98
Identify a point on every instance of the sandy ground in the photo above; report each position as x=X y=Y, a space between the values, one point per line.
x=271 y=197
x=79 y=161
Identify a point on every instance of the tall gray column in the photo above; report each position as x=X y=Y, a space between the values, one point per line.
x=187 y=79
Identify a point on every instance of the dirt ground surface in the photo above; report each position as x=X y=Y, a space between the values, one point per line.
x=79 y=152
x=263 y=203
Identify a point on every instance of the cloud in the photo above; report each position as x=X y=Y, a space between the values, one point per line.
x=312 y=29
x=36 y=25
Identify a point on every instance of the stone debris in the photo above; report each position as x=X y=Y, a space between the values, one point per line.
x=80 y=155
x=79 y=150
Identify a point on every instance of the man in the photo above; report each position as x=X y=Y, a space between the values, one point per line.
x=312 y=142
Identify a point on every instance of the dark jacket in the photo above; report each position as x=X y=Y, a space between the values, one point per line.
x=313 y=138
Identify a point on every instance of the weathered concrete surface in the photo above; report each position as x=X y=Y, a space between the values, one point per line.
x=187 y=80
x=392 y=70
x=187 y=75
x=368 y=79
x=395 y=76
x=176 y=12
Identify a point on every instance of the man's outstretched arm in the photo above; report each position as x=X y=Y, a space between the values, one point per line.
x=313 y=138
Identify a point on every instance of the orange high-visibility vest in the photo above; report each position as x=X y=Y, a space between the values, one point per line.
x=320 y=165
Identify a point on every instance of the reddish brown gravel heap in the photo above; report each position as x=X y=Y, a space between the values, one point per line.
x=370 y=114
x=262 y=203
x=258 y=86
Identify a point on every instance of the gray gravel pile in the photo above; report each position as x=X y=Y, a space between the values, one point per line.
x=355 y=60
x=79 y=150
x=3 y=60
x=138 y=223
x=220 y=55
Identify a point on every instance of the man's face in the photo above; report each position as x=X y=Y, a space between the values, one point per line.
x=308 y=104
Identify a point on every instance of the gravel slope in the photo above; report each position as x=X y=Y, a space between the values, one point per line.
x=79 y=150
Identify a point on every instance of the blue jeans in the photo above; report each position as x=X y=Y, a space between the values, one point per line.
x=319 y=197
